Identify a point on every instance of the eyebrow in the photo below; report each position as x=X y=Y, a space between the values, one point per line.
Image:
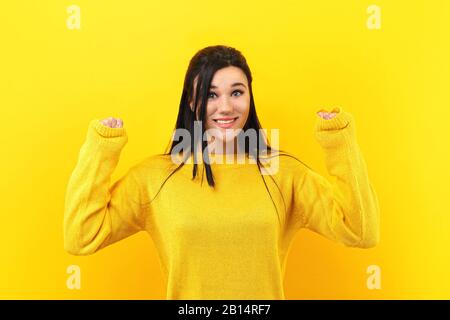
x=233 y=85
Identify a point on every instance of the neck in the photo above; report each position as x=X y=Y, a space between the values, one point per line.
x=228 y=153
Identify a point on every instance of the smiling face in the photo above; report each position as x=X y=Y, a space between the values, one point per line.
x=228 y=103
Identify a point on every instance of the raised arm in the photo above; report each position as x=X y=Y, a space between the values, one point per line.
x=345 y=210
x=95 y=214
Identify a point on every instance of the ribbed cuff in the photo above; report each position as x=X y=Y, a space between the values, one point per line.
x=340 y=120
x=106 y=131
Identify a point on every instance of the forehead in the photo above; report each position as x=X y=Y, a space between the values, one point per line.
x=225 y=77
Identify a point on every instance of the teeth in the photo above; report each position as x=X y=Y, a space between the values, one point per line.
x=225 y=121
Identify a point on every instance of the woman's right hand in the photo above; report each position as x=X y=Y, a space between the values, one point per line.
x=112 y=122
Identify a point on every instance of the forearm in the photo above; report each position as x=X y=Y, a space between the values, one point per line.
x=86 y=226
x=349 y=204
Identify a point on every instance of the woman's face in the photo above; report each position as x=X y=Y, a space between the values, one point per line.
x=228 y=103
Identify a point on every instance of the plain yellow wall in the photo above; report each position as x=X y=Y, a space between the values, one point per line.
x=128 y=60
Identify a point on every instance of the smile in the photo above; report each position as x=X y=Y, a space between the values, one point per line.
x=225 y=122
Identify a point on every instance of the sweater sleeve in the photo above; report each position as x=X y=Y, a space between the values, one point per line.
x=345 y=210
x=95 y=214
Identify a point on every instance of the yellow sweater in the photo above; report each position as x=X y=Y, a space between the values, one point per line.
x=228 y=242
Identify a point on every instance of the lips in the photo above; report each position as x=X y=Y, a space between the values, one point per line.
x=225 y=122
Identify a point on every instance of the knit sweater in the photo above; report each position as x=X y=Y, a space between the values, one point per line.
x=230 y=241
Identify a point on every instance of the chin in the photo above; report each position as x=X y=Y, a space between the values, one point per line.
x=223 y=139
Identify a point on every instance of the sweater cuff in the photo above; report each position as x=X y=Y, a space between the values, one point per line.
x=339 y=121
x=106 y=131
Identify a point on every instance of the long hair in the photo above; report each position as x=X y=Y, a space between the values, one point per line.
x=203 y=66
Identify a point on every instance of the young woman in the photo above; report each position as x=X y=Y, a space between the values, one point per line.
x=228 y=238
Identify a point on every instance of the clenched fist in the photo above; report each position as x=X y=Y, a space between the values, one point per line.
x=326 y=115
x=112 y=122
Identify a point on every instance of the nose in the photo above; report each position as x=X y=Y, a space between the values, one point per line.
x=225 y=107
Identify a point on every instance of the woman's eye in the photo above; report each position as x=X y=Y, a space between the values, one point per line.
x=239 y=91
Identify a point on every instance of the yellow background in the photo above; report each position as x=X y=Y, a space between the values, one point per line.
x=128 y=60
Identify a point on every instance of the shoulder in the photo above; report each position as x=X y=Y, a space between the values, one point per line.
x=151 y=172
x=155 y=161
x=286 y=163
x=155 y=166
